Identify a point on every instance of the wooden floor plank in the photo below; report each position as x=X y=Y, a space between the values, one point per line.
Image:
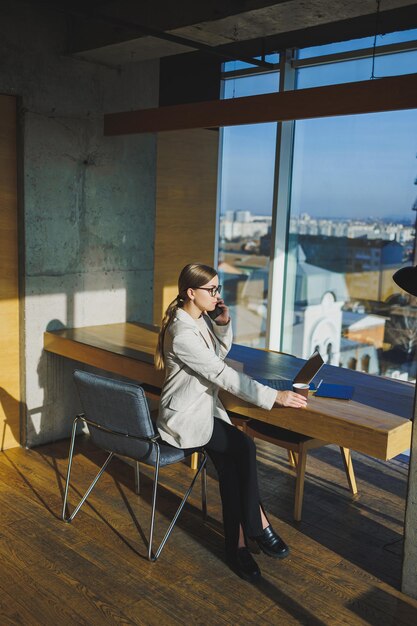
x=344 y=566
x=13 y=611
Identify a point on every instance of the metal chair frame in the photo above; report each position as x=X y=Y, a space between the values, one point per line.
x=154 y=441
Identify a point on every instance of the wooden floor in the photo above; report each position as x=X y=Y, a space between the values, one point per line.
x=344 y=567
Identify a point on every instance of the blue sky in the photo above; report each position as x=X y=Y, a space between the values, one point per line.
x=356 y=166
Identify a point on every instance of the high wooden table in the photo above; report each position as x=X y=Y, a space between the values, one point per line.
x=376 y=422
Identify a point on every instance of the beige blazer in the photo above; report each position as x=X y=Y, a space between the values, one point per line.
x=194 y=372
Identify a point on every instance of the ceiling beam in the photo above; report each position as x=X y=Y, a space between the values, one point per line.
x=383 y=94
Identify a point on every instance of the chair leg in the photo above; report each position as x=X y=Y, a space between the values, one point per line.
x=350 y=474
x=137 y=478
x=154 y=490
x=291 y=458
x=154 y=557
x=69 y=518
x=295 y=457
x=299 y=483
x=151 y=557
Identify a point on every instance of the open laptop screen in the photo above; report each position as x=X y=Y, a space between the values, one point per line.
x=309 y=369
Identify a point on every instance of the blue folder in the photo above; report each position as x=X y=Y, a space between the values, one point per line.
x=328 y=390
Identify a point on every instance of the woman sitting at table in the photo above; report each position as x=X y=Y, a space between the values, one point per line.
x=191 y=348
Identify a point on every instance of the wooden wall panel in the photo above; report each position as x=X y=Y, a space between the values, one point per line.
x=9 y=288
x=186 y=195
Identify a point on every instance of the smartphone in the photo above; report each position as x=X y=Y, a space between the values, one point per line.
x=216 y=312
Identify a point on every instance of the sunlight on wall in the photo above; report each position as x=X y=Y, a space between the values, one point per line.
x=169 y=292
x=99 y=307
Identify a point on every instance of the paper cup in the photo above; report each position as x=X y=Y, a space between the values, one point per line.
x=301 y=388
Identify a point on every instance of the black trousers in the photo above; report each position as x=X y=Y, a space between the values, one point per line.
x=234 y=456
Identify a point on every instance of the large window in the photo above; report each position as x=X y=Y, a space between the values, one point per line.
x=350 y=222
x=351 y=227
x=313 y=72
x=246 y=190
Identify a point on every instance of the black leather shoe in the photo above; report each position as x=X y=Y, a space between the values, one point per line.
x=272 y=544
x=244 y=565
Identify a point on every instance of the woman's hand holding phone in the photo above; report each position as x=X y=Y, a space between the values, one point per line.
x=220 y=314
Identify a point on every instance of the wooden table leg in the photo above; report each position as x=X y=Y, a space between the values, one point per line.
x=347 y=462
x=299 y=483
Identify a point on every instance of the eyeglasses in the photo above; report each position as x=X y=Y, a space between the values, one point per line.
x=213 y=291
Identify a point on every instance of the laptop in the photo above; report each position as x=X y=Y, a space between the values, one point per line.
x=305 y=374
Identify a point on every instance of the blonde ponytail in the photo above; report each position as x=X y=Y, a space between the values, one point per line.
x=167 y=319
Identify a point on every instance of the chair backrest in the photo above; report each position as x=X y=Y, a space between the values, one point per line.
x=118 y=406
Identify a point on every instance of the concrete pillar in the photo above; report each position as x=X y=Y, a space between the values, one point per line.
x=409 y=574
x=87 y=201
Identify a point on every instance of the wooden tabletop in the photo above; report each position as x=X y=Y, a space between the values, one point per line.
x=376 y=421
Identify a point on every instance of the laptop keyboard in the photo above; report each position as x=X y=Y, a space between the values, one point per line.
x=277 y=384
x=280 y=384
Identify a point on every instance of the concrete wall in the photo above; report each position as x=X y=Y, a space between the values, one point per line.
x=88 y=202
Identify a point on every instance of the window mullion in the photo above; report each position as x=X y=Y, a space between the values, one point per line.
x=280 y=213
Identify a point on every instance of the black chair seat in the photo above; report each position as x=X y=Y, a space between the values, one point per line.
x=170 y=455
x=142 y=451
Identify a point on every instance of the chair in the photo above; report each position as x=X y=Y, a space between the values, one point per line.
x=119 y=422
x=297 y=444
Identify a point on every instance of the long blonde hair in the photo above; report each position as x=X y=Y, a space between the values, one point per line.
x=193 y=275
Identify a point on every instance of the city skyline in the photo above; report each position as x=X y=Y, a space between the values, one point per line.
x=246 y=227
x=406 y=219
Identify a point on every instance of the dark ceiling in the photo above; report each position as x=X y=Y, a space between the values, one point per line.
x=116 y=32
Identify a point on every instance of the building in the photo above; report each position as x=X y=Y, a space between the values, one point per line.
x=348 y=255
x=316 y=324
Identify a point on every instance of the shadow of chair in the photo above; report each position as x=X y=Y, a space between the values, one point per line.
x=118 y=419
x=10 y=414
x=297 y=446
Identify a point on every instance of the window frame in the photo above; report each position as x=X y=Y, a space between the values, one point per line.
x=278 y=263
